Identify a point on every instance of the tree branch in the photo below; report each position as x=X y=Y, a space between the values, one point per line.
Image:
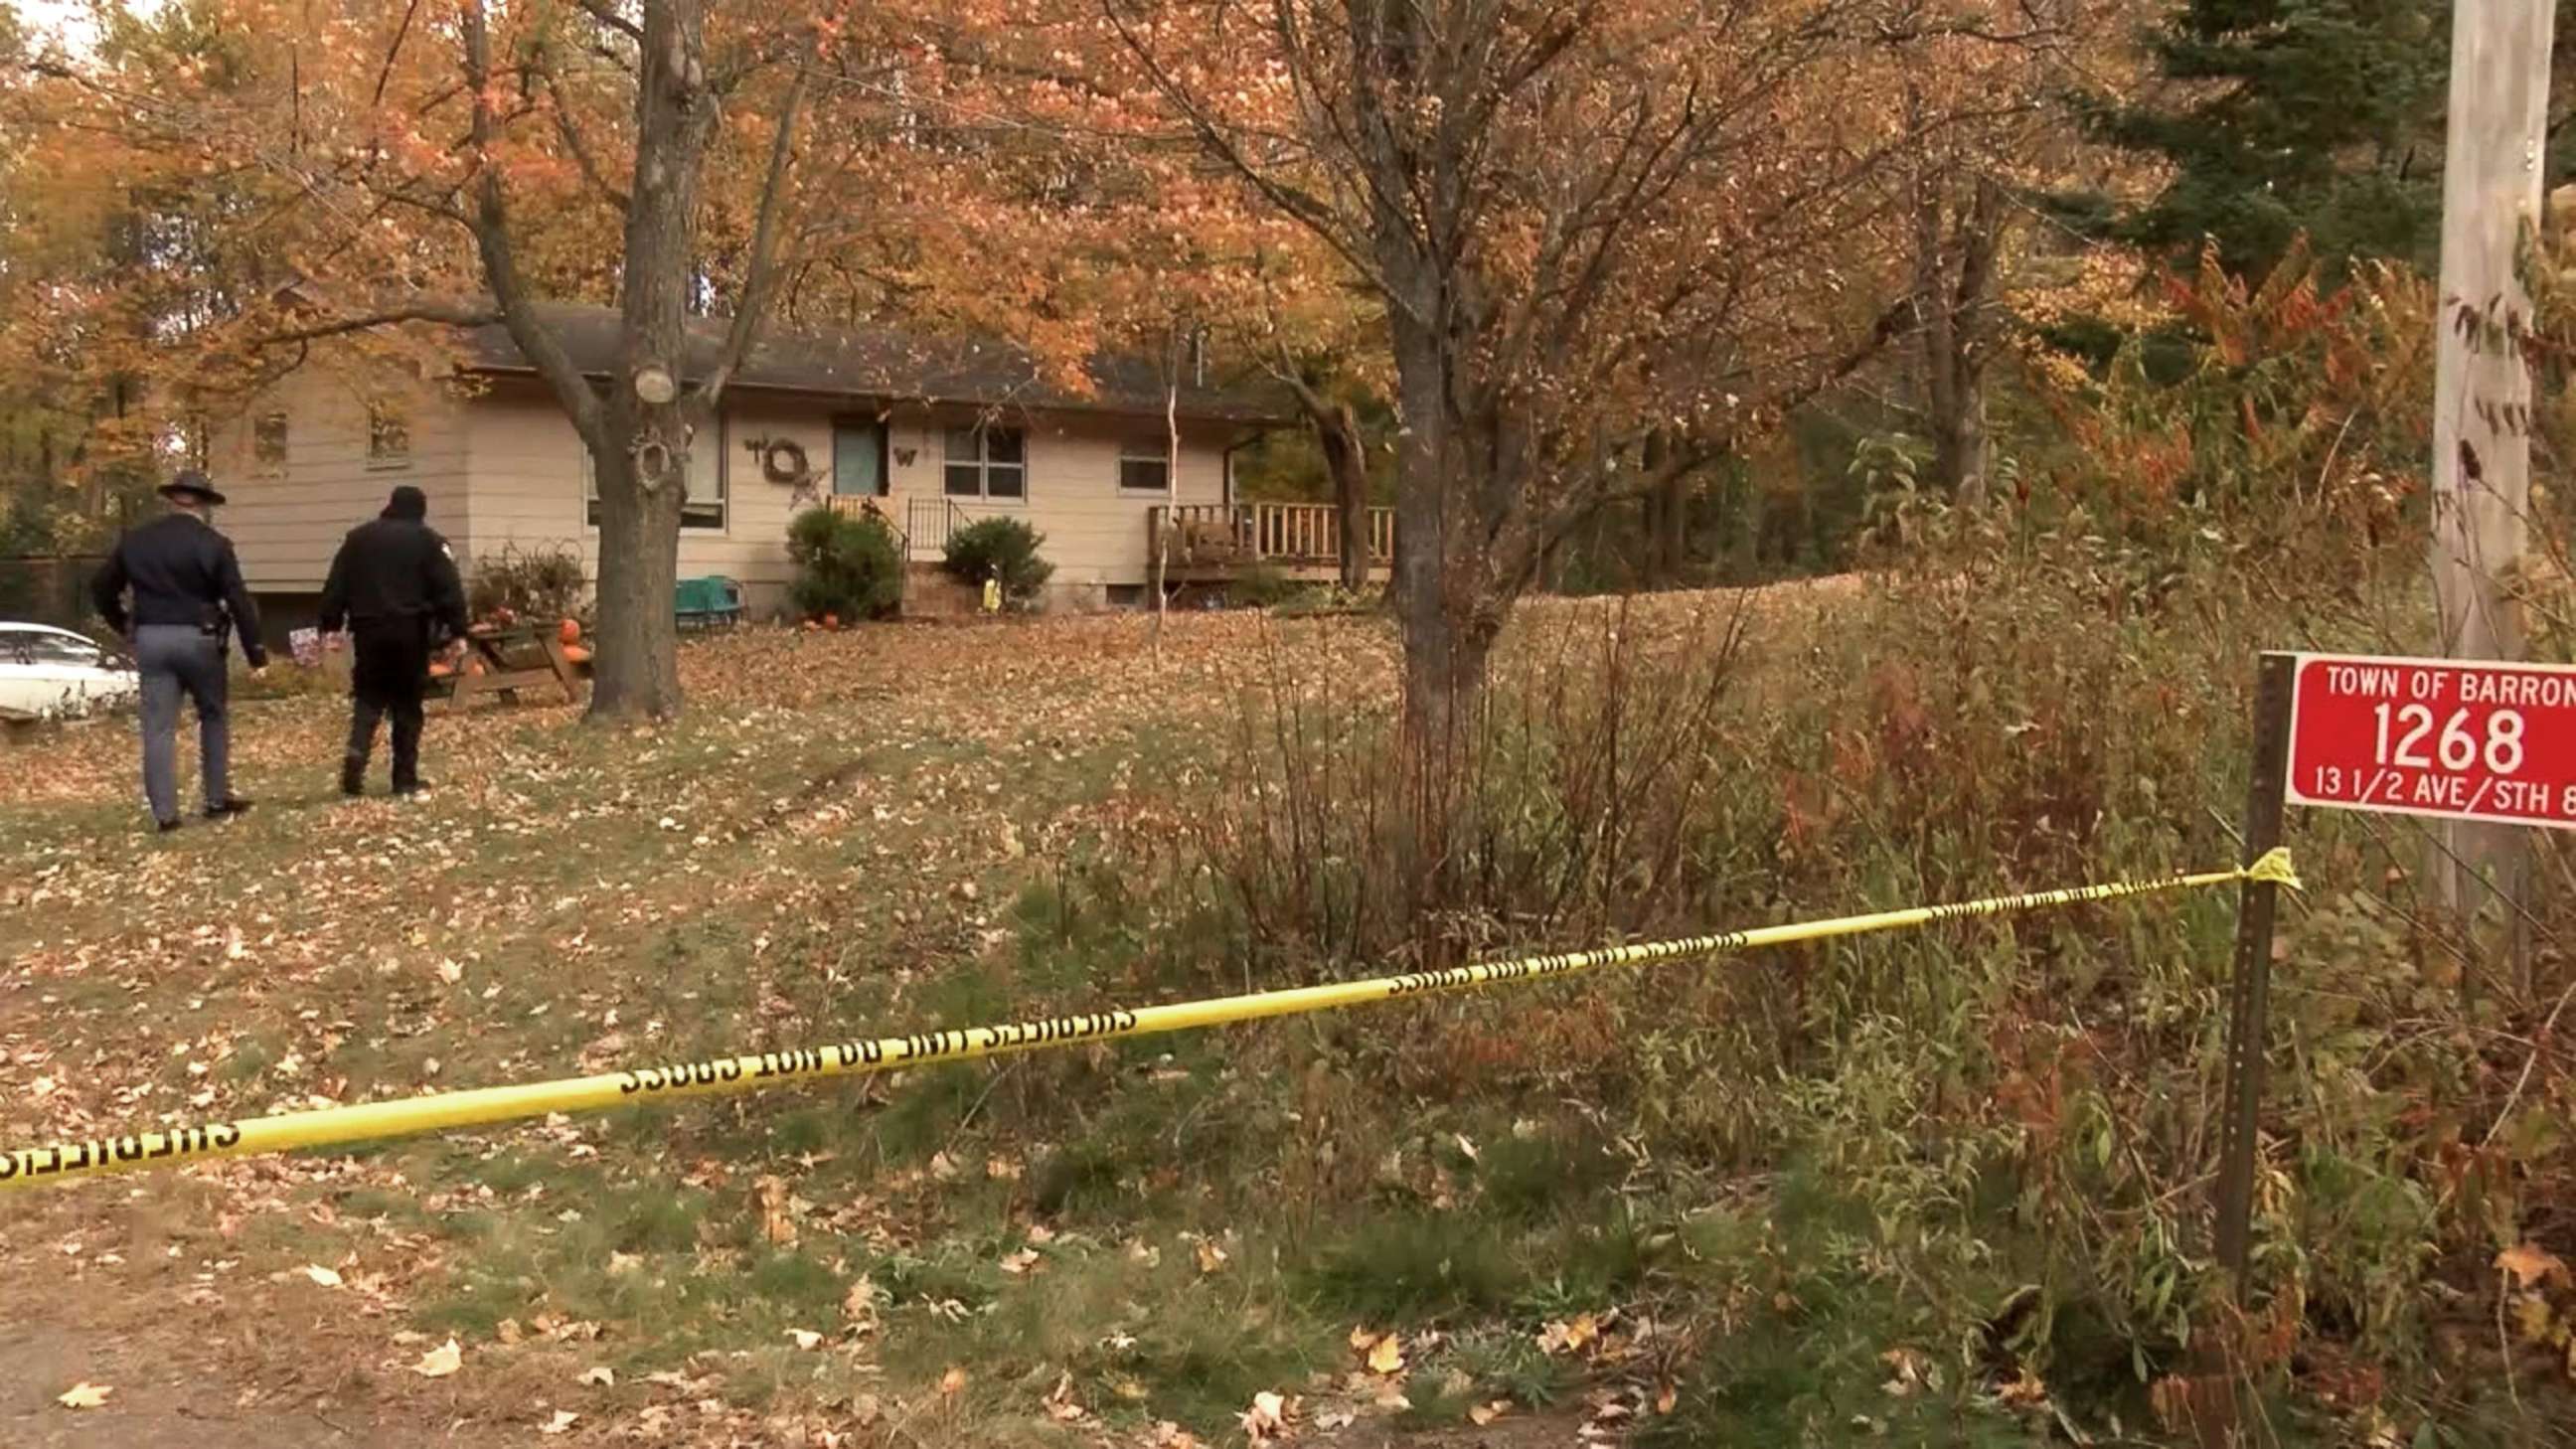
x=454 y=315
x=761 y=278
x=582 y=157
x=606 y=14
x=491 y=224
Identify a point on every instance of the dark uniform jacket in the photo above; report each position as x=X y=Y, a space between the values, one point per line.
x=181 y=572
x=391 y=570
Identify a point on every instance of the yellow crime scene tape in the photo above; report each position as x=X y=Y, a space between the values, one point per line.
x=484 y=1106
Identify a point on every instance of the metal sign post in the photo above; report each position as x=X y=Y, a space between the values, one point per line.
x=2250 y=991
x=2441 y=739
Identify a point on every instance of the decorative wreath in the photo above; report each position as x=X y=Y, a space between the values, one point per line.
x=782 y=460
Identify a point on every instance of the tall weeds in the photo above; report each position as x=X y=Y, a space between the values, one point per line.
x=2017 y=707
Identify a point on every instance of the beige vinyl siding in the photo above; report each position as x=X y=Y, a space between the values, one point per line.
x=286 y=524
x=526 y=466
x=530 y=481
x=1095 y=530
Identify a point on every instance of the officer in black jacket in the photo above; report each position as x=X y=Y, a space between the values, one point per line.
x=188 y=592
x=394 y=585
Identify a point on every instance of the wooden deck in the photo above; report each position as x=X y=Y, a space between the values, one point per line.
x=1201 y=542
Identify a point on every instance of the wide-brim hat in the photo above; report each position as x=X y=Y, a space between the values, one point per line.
x=193 y=484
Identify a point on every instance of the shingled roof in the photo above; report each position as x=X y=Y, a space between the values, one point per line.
x=889 y=366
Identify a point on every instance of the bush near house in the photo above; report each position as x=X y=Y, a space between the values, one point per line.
x=848 y=568
x=976 y=551
x=542 y=584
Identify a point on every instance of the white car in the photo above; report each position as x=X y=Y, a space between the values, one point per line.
x=49 y=673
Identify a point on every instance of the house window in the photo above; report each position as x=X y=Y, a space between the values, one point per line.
x=702 y=506
x=988 y=463
x=1145 y=466
x=388 y=437
x=268 y=443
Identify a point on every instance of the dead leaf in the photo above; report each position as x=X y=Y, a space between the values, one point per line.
x=1211 y=1256
x=1481 y=1415
x=777 y=1223
x=84 y=1396
x=1909 y=1371
x=860 y=1305
x=2023 y=1391
x=450 y=972
x=326 y=1277
x=1060 y=1405
x=1022 y=1262
x=1570 y=1337
x=806 y=1338
x=602 y=1377
x=1267 y=1419
x=561 y=1423
x=953 y=1382
x=2531 y=1266
x=1669 y=1395
x=441 y=1361
x=1388 y=1356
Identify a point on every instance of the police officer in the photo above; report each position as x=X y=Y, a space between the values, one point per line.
x=394 y=586
x=188 y=592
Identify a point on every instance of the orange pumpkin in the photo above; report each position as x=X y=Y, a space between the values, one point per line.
x=440 y=669
x=831 y=621
x=474 y=666
x=578 y=654
x=571 y=632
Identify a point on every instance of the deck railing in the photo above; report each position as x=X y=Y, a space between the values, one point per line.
x=1209 y=535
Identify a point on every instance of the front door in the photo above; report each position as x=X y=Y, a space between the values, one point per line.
x=858 y=460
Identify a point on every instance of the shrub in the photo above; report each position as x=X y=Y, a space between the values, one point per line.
x=848 y=567
x=979 y=549
x=542 y=583
x=1264 y=586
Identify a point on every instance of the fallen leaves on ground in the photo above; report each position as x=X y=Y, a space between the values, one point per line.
x=326 y=1277
x=1567 y=1336
x=2532 y=1266
x=1268 y=1419
x=84 y=1396
x=561 y=1423
x=441 y=1361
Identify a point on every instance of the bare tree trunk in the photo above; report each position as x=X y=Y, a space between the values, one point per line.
x=1347 y=461
x=642 y=424
x=1667 y=517
x=1337 y=435
x=636 y=672
x=1954 y=287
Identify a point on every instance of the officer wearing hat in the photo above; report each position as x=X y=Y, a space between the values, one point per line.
x=187 y=595
x=394 y=585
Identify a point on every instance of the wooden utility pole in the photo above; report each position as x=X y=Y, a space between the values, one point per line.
x=2491 y=196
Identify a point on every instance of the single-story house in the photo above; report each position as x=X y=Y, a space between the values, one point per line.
x=934 y=433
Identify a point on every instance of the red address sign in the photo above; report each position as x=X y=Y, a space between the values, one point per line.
x=2454 y=738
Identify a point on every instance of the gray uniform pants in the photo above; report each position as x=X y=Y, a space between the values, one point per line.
x=176 y=659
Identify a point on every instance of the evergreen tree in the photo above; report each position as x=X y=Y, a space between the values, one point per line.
x=2284 y=116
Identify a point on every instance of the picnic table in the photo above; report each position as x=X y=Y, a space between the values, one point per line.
x=512 y=657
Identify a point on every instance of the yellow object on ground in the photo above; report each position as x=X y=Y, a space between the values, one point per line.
x=485 y=1106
